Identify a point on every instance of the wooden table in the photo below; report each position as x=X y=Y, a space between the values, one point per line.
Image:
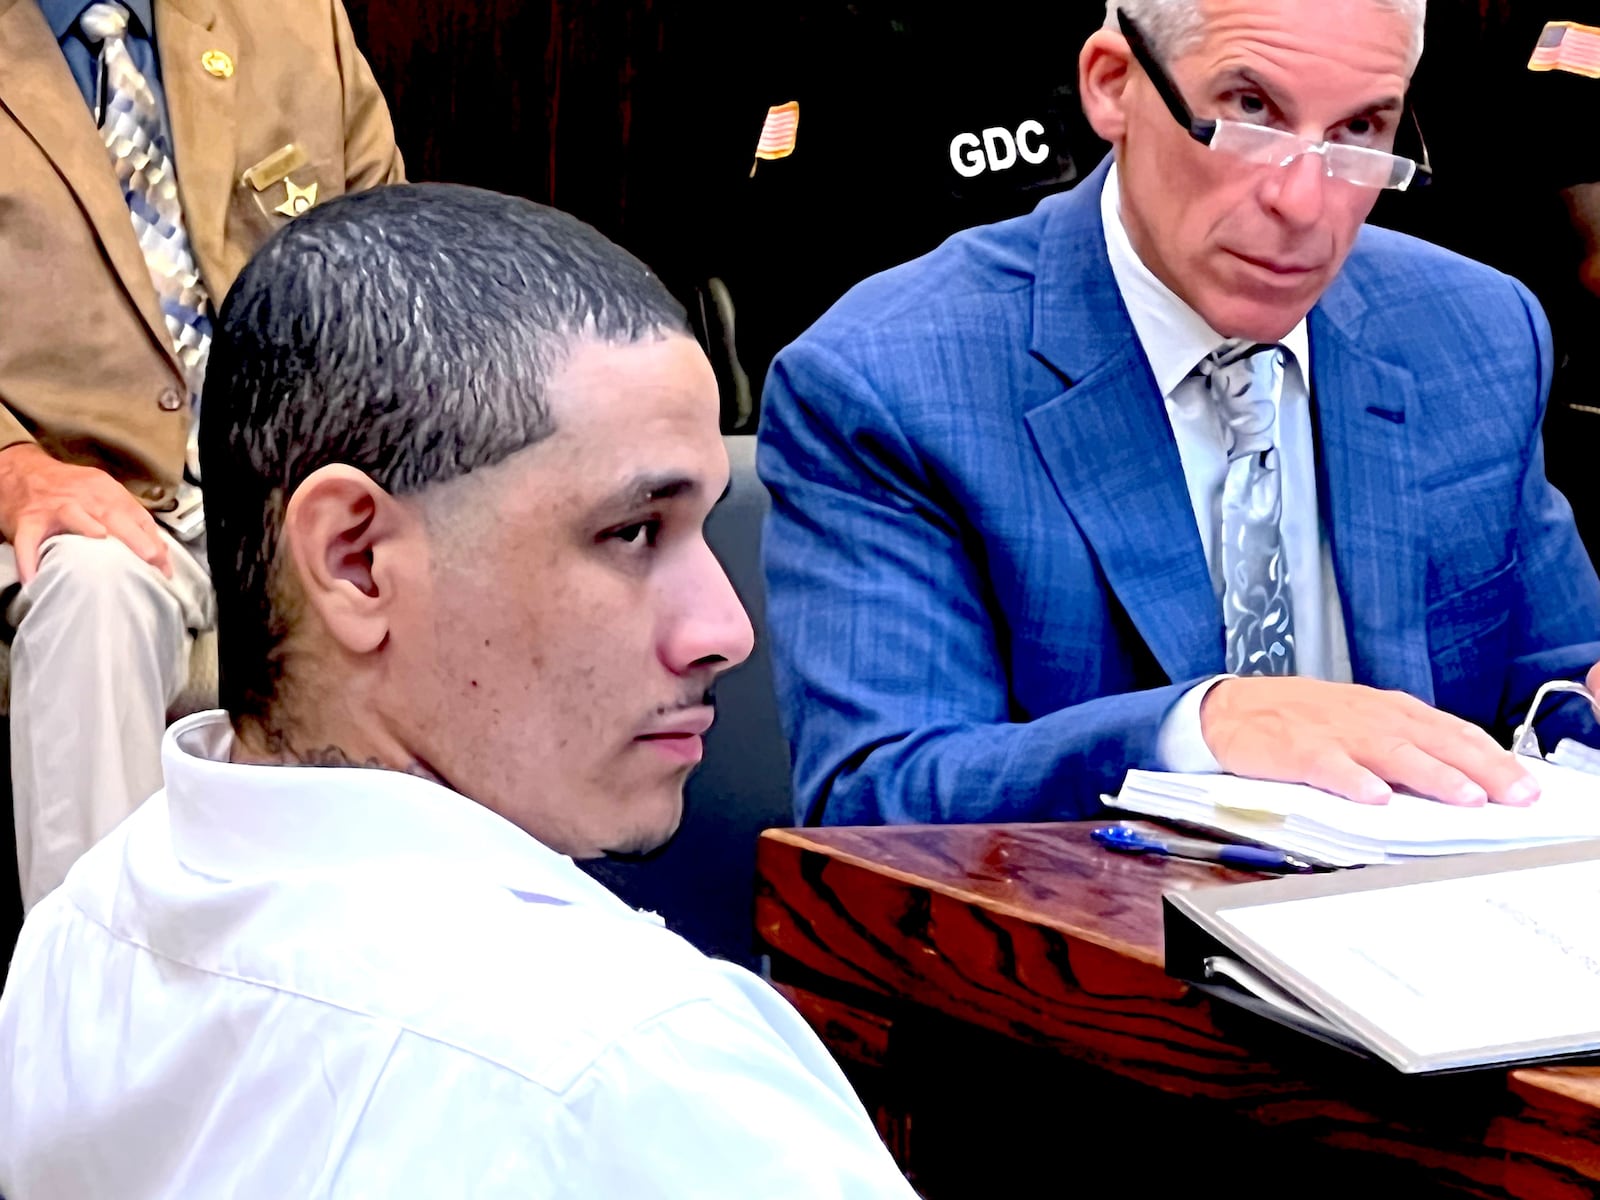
x=1033 y=936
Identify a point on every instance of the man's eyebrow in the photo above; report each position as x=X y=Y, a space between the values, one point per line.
x=1243 y=77
x=1384 y=104
x=647 y=489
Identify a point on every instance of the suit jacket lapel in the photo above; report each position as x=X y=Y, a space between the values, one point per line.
x=37 y=89
x=1109 y=449
x=200 y=109
x=1370 y=502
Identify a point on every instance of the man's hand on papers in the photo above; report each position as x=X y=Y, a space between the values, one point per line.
x=1358 y=742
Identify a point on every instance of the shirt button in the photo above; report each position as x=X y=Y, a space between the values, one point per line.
x=169 y=400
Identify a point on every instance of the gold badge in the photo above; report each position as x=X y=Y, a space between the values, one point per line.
x=217 y=62
x=299 y=198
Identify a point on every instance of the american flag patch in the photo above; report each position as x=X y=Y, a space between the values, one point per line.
x=1568 y=46
x=778 y=131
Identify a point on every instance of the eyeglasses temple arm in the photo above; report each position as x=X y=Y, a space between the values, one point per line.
x=1200 y=130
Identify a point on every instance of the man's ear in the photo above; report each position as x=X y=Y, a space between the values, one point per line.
x=344 y=537
x=1104 y=69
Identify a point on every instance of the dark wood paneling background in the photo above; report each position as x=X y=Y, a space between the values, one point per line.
x=641 y=117
x=533 y=98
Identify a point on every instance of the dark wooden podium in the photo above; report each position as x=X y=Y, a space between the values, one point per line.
x=1007 y=982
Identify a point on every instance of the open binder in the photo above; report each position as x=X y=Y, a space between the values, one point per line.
x=1443 y=965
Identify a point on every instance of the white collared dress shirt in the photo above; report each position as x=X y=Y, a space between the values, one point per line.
x=342 y=982
x=1175 y=338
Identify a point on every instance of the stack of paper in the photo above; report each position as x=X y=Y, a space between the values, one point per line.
x=1330 y=829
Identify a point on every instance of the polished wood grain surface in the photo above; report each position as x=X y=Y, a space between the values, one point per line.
x=1036 y=933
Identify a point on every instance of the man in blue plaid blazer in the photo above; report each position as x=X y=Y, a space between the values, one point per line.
x=995 y=554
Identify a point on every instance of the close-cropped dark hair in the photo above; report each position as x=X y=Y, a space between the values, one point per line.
x=410 y=332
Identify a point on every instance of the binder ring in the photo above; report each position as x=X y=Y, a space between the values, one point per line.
x=1525 y=740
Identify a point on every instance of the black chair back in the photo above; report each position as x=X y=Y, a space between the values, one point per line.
x=703 y=882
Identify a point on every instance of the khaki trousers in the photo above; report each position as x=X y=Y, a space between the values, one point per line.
x=100 y=648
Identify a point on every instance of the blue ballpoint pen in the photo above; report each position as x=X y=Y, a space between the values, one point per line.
x=1126 y=840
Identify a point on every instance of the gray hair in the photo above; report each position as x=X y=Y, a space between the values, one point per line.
x=410 y=332
x=1172 y=27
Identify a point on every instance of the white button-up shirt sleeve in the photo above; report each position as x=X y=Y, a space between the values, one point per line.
x=1179 y=744
x=752 y=1130
x=748 y=1125
x=701 y=1102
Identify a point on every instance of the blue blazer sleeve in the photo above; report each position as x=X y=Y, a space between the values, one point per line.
x=886 y=641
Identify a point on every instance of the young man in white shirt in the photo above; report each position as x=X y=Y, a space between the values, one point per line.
x=459 y=452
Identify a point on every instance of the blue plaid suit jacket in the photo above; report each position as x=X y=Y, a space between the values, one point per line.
x=985 y=584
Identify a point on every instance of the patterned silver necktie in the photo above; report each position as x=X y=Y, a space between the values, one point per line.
x=1244 y=380
x=130 y=124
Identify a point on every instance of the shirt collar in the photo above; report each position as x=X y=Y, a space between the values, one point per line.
x=236 y=821
x=62 y=15
x=1173 y=335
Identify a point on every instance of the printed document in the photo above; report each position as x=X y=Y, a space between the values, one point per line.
x=1450 y=972
x=1330 y=829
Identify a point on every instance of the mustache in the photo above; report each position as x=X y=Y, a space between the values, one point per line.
x=698 y=699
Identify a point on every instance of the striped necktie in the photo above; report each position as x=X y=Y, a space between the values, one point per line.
x=131 y=126
x=1244 y=380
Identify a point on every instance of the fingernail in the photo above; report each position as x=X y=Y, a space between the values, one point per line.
x=1470 y=796
x=1522 y=792
x=1377 y=794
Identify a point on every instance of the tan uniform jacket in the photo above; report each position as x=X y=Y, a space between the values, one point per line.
x=86 y=367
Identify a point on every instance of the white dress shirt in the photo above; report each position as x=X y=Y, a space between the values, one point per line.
x=1175 y=338
x=343 y=982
